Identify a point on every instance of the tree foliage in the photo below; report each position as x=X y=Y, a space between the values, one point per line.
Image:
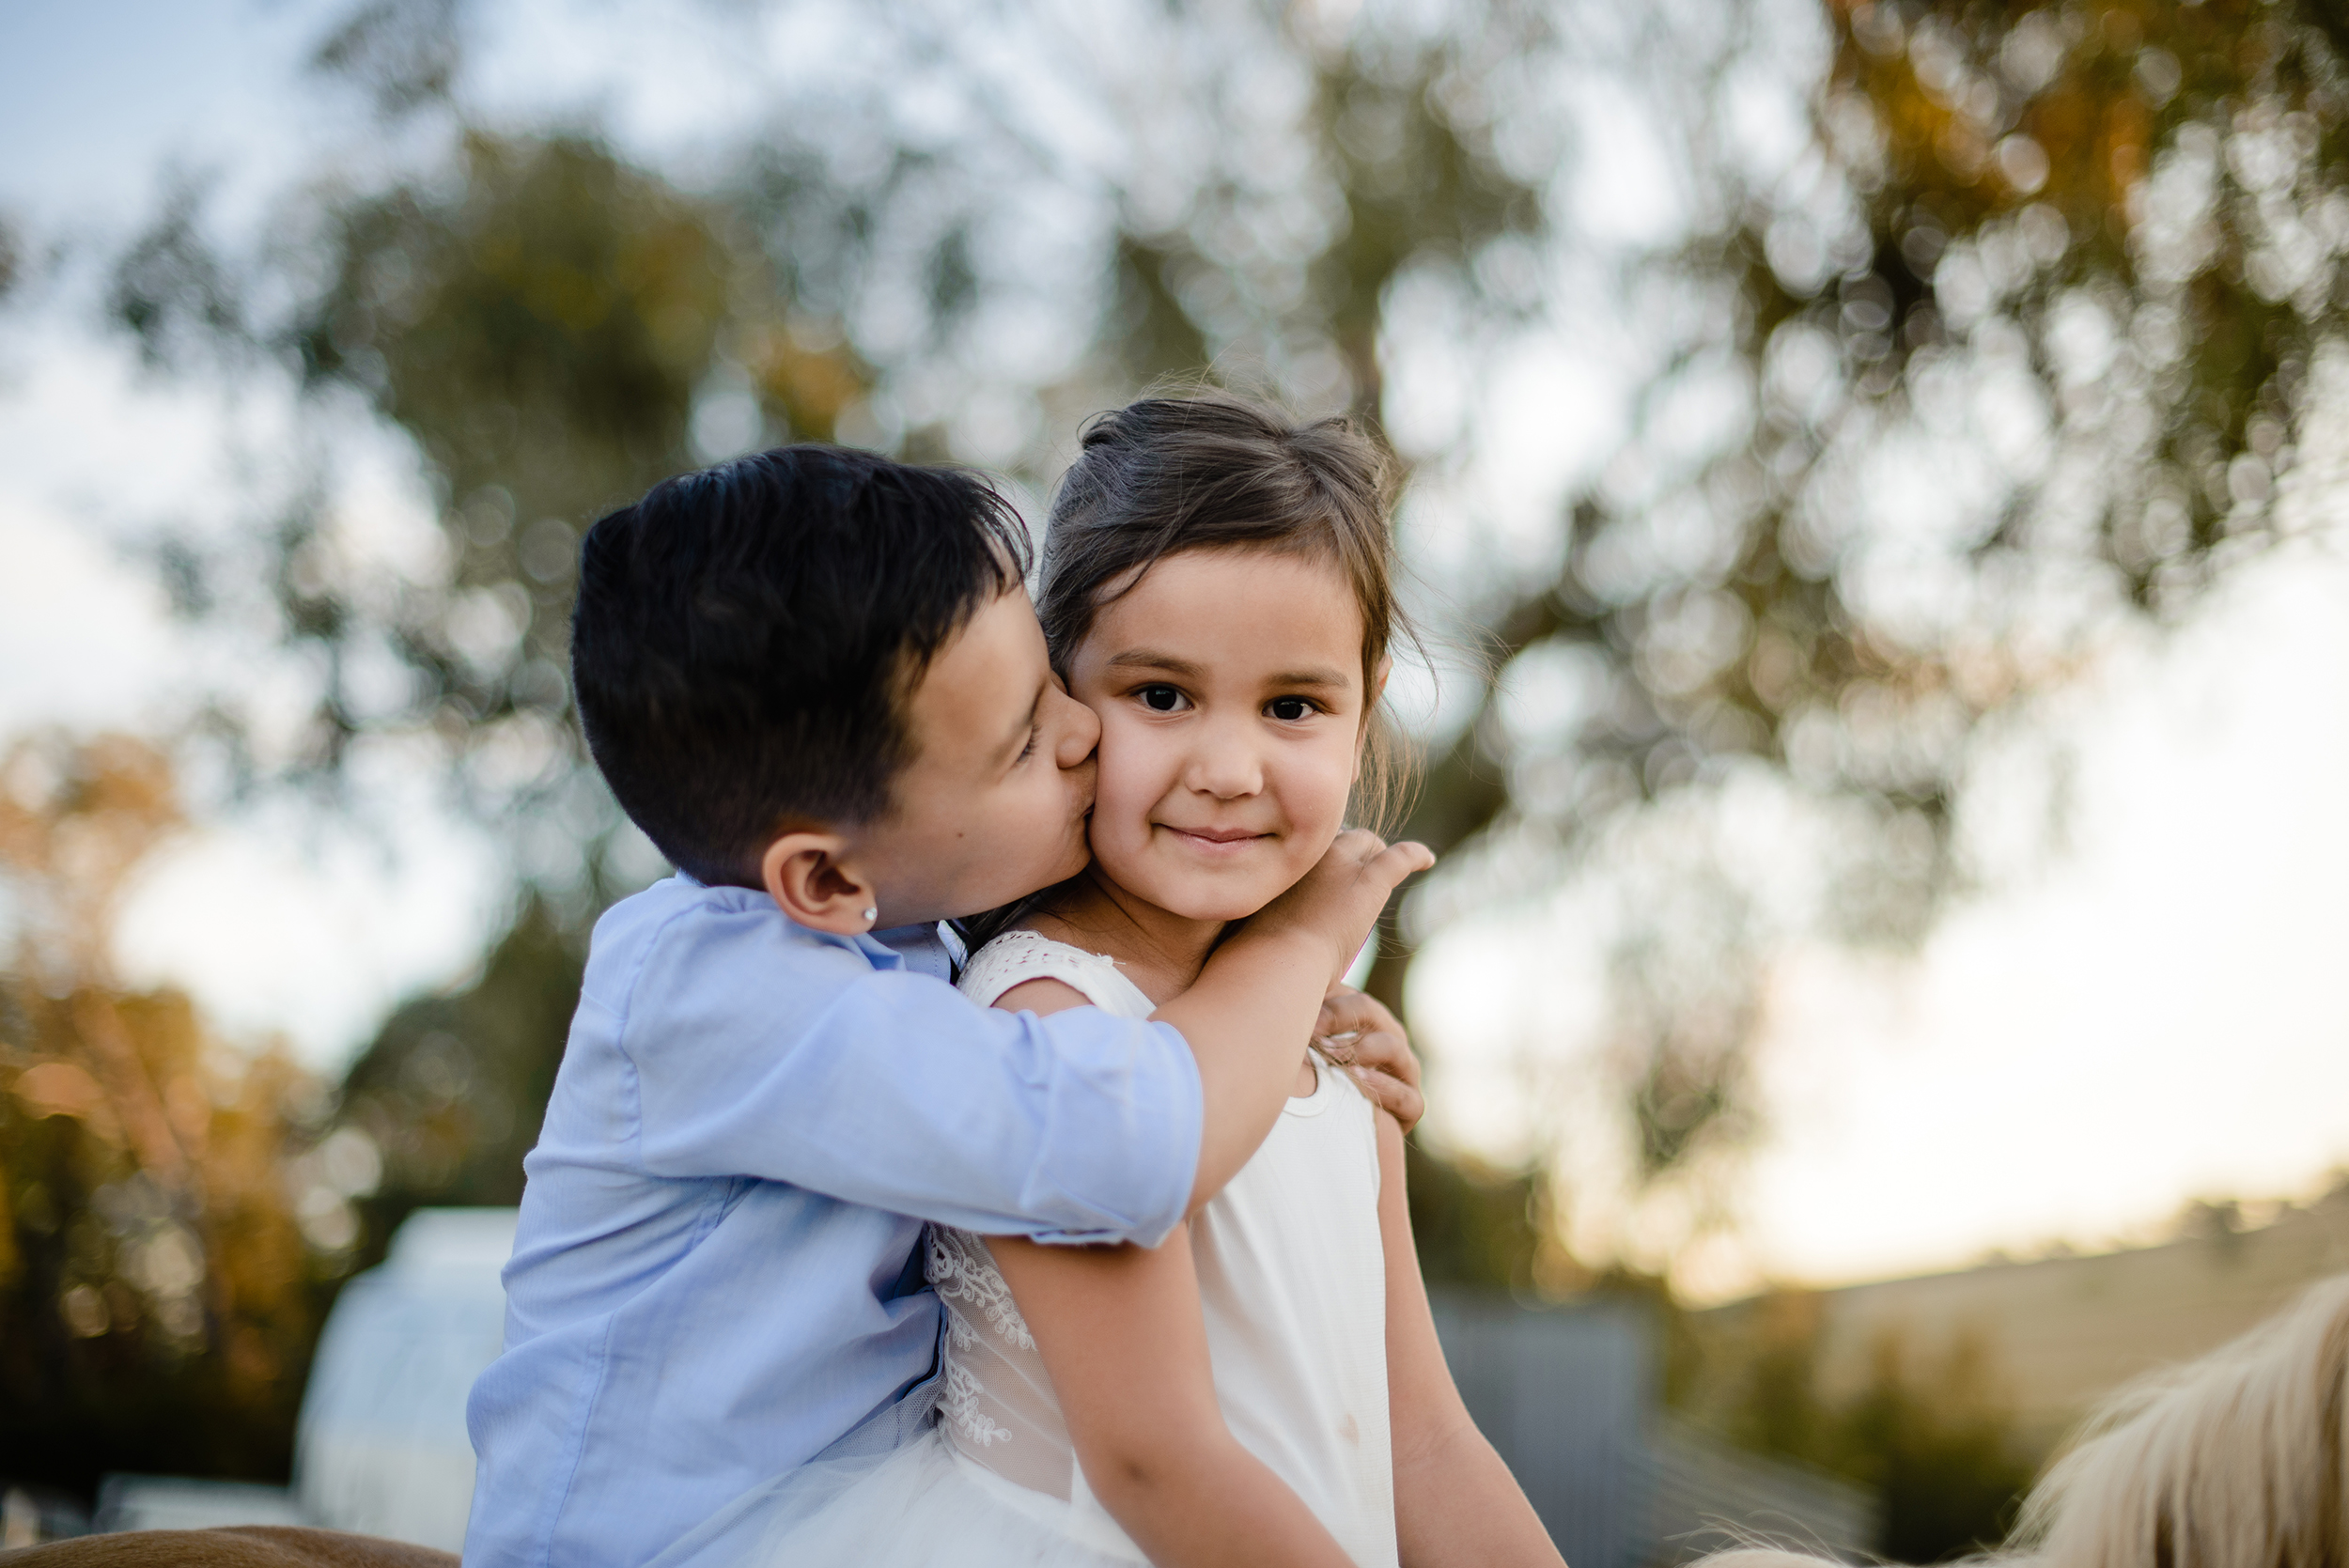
x=1933 y=1437
x=166 y=1226
x=12 y=262
x=536 y=318
x=2015 y=332
x=453 y=1087
x=538 y=334
x=1477 y=1227
x=2078 y=265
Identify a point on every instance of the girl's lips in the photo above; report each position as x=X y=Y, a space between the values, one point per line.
x=1213 y=839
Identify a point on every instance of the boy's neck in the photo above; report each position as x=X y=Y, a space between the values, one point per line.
x=1161 y=951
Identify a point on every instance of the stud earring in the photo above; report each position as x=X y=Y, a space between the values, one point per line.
x=871 y=915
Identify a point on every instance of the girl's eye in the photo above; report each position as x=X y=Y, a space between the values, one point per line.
x=1160 y=699
x=1289 y=709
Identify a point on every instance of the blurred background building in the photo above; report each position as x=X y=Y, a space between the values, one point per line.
x=1874 y=476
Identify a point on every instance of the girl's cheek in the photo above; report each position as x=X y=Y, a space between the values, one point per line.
x=1122 y=792
x=1133 y=768
x=1322 y=786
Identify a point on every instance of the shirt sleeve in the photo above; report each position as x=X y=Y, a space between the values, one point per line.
x=756 y=1054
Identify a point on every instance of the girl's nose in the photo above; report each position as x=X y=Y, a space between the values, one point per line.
x=1223 y=763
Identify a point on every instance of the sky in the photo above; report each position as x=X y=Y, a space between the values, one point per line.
x=2142 y=1013
x=2148 y=1014
x=98 y=101
x=277 y=927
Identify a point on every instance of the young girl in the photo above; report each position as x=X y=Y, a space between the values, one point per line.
x=1265 y=1387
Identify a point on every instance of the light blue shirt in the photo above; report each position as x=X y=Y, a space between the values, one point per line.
x=716 y=1277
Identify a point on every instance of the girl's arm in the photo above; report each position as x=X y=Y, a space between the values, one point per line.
x=1454 y=1500
x=1122 y=1337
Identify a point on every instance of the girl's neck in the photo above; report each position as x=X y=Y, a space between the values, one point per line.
x=1162 y=952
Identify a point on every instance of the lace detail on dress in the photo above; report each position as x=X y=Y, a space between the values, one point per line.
x=1019 y=957
x=995 y=1401
x=968 y=1273
x=959 y=1405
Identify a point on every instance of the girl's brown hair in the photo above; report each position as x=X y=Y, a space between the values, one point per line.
x=1211 y=471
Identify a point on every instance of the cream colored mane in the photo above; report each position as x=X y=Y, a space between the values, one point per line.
x=2238 y=1460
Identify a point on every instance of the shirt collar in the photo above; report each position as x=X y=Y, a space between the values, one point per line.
x=931 y=950
x=934 y=950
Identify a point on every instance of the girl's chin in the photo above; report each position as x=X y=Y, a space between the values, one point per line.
x=1221 y=904
x=1190 y=896
x=1220 y=914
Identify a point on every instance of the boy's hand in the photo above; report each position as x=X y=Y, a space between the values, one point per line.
x=1359 y=1033
x=1336 y=903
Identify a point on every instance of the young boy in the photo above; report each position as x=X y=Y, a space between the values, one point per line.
x=813 y=678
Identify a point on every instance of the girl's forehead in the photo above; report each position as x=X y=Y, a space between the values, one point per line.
x=1234 y=607
x=1312 y=590
x=1217 y=573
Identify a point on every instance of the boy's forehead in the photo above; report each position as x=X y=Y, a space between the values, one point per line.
x=982 y=684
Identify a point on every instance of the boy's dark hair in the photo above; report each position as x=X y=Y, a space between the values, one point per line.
x=747 y=636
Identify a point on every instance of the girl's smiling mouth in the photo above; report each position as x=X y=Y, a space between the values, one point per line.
x=1214 y=840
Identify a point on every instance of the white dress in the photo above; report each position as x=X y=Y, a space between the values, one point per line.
x=1292 y=1283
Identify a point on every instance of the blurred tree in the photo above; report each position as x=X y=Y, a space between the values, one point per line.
x=2101 y=243
x=158 y=1293
x=1398 y=165
x=453 y=1087
x=403 y=52
x=537 y=317
x=538 y=324
x=1933 y=1437
x=1475 y=1226
x=1942 y=1452
x=2076 y=269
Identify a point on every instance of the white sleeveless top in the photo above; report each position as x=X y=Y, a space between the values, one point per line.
x=1292 y=1282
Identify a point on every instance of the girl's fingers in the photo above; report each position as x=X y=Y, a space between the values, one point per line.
x=1339 y=1048
x=1387 y=1051
x=1371 y=1031
x=1345 y=1009
x=1398 y=860
x=1392 y=1094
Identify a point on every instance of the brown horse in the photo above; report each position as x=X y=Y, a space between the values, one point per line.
x=231 y=1547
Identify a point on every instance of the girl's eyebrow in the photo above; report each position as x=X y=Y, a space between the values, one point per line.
x=1150 y=659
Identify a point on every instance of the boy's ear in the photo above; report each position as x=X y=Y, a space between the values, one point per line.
x=806 y=875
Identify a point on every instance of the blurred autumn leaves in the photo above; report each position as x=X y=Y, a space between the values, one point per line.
x=176 y=1207
x=2025 y=339
x=2153 y=193
x=2010 y=324
x=2013 y=333
x=168 y=1211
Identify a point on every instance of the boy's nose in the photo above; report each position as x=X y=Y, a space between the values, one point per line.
x=1077 y=729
